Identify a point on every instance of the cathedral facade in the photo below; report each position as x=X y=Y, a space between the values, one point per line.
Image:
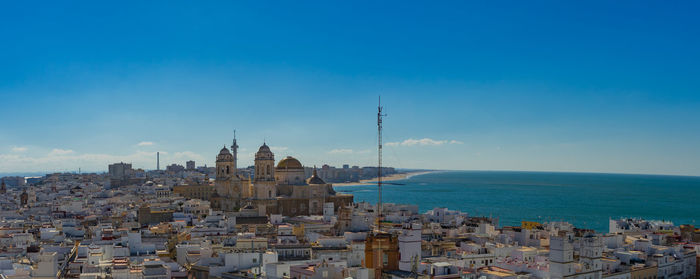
x=272 y=189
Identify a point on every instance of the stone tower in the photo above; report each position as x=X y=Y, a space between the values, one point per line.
x=264 y=182
x=225 y=166
x=227 y=185
x=264 y=164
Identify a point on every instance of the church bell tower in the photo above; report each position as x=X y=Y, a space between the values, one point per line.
x=225 y=165
x=264 y=164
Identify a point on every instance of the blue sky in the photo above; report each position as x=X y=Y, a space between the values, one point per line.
x=544 y=85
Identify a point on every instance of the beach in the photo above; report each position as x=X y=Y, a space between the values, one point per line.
x=393 y=177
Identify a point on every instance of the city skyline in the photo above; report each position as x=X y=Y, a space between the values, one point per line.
x=605 y=87
x=360 y=139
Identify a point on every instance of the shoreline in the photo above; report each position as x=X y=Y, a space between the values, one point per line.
x=393 y=177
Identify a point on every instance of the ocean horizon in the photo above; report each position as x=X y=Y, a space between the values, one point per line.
x=587 y=200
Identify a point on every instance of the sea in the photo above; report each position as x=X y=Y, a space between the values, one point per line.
x=587 y=200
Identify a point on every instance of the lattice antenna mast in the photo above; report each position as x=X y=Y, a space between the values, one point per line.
x=380 y=213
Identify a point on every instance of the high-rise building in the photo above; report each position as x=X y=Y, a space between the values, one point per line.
x=119 y=170
x=190 y=165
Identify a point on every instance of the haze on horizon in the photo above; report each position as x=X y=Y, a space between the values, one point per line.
x=593 y=86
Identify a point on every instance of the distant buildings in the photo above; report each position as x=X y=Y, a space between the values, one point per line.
x=175 y=168
x=351 y=174
x=190 y=165
x=14 y=181
x=122 y=174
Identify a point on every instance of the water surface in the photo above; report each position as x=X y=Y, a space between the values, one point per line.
x=584 y=199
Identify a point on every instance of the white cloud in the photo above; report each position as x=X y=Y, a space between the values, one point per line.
x=422 y=142
x=412 y=142
x=145 y=143
x=68 y=160
x=60 y=152
x=19 y=149
x=340 y=151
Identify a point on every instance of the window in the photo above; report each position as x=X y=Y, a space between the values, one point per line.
x=268 y=169
x=385 y=259
x=228 y=170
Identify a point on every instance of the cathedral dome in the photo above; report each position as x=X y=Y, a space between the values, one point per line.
x=264 y=148
x=264 y=153
x=224 y=155
x=224 y=151
x=289 y=163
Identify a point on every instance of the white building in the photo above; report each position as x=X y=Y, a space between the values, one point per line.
x=410 y=246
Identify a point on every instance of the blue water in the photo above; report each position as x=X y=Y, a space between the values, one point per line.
x=587 y=200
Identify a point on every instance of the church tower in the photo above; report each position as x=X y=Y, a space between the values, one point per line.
x=225 y=165
x=3 y=188
x=227 y=185
x=264 y=182
x=264 y=164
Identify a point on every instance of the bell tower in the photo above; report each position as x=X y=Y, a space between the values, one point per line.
x=264 y=164
x=225 y=165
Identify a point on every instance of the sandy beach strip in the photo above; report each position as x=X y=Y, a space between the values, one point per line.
x=393 y=177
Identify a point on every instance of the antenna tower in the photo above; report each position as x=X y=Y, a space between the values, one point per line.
x=380 y=213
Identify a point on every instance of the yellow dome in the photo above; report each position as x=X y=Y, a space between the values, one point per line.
x=289 y=163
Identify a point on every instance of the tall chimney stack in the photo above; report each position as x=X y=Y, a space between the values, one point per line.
x=157 y=160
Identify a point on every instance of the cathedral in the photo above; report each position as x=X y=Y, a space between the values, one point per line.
x=271 y=189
